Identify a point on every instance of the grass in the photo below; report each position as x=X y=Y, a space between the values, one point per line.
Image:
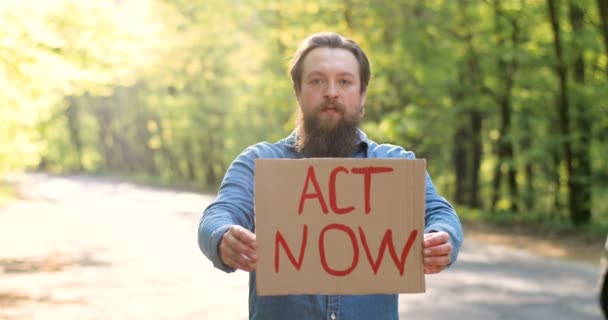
x=552 y=236
x=538 y=222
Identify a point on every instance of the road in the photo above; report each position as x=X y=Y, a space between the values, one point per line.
x=87 y=248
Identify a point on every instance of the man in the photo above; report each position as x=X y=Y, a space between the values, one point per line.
x=330 y=75
x=603 y=293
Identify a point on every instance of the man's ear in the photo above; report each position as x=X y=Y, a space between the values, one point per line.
x=363 y=97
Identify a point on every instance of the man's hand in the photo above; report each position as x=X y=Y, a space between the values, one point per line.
x=238 y=249
x=436 y=251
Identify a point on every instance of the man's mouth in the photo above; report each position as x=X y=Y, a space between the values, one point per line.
x=330 y=108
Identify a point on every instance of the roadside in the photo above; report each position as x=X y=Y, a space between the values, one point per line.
x=569 y=246
x=7 y=193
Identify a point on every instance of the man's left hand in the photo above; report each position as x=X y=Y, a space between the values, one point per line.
x=436 y=251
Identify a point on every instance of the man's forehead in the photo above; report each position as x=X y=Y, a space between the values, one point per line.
x=325 y=59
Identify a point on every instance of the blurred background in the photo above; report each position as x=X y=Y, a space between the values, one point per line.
x=507 y=100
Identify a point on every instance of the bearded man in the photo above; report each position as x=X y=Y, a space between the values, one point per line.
x=330 y=77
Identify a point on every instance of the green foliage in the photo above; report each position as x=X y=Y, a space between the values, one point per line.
x=174 y=90
x=56 y=49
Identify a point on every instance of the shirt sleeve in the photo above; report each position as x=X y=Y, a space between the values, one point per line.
x=439 y=214
x=233 y=205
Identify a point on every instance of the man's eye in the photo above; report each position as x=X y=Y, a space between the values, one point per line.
x=345 y=82
x=315 y=81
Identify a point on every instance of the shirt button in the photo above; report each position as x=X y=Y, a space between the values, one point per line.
x=333 y=316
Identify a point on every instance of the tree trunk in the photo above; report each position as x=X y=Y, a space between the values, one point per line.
x=104 y=120
x=460 y=166
x=526 y=144
x=146 y=155
x=558 y=202
x=580 y=199
x=467 y=151
x=504 y=153
x=188 y=153
x=504 y=150
x=476 y=155
x=496 y=181
x=602 y=7
x=472 y=79
x=123 y=151
x=166 y=151
x=72 y=114
x=562 y=103
x=529 y=194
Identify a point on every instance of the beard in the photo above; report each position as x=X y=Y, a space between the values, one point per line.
x=318 y=141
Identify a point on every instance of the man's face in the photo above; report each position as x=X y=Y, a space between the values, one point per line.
x=331 y=87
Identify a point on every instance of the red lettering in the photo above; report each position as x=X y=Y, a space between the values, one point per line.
x=353 y=241
x=310 y=177
x=387 y=241
x=367 y=172
x=332 y=192
x=280 y=240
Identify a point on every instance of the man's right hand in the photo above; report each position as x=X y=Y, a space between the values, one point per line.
x=238 y=249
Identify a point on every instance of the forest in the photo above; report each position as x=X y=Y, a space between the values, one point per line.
x=506 y=100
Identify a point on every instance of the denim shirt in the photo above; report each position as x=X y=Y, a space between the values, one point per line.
x=234 y=205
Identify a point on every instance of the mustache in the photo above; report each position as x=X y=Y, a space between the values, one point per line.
x=333 y=105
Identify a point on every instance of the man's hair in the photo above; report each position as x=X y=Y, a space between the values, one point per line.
x=328 y=40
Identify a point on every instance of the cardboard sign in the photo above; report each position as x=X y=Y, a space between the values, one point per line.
x=339 y=226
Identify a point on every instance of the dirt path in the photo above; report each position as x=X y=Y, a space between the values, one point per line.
x=83 y=248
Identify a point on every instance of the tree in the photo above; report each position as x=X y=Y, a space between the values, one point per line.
x=580 y=193
x=507 y=68
x=577 y=185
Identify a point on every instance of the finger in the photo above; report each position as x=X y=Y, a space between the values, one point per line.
x=241 y=247
x=440 y=250
x=245 y=236
x=235 y=258
x=435 y=238
x=241 y=263
x=437 y=261
x=432 y=269
x=235 y=248
x=235 y=254
x=245 y=264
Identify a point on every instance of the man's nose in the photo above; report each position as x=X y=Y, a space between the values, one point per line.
x=331 y=91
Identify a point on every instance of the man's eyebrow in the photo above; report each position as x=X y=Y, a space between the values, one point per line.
x=314 y=73
x=317 y=73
